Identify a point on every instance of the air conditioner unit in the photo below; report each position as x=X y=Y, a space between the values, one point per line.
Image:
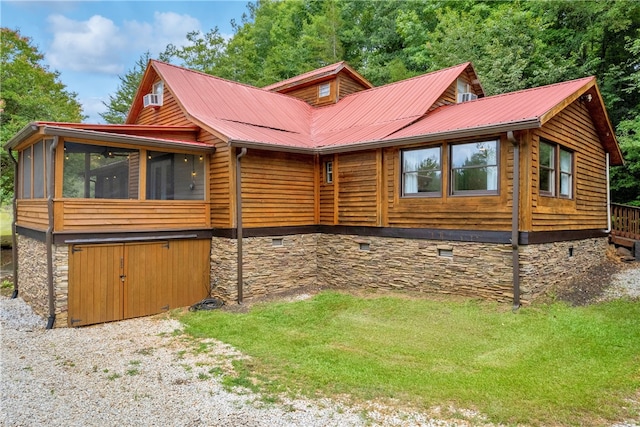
x=466 y=96
x=152 y=100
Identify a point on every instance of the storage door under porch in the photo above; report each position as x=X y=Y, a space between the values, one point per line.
x=120 y=281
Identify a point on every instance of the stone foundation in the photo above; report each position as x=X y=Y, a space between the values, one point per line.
x=350 y=261
x=32 y=278
x=460 y=268
x=549 y=264
x=271 y=265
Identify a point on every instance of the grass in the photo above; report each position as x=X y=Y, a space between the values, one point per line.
x=549 y=364
x=6 y=217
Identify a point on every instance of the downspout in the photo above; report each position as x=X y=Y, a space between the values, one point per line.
x=49 y=236
x=608 y=196
x=515 y=218
x=14 y=237
x=243 y=151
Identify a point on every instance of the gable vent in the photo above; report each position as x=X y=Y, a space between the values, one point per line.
x=152 y=100
x=466 y=96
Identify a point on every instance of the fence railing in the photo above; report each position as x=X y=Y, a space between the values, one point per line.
x=625 y=221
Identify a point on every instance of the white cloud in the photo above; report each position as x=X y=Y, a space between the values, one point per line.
x=166 y=28
x=98 y=45
x=95 y=45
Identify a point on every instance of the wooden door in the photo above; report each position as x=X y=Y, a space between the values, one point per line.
x=125 y=280
x=148 y=278
x=95 y=284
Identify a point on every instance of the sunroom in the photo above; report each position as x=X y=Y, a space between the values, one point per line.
x=105 y=214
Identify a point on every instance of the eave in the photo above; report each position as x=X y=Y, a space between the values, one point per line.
x=51 y=129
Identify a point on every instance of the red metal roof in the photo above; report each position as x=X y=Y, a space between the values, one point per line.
x=246 y=115
x=209 y=99
x=522 y=109
x=359 y=116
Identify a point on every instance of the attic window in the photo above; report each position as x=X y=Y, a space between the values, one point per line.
x=324 y=90
x=158 y=88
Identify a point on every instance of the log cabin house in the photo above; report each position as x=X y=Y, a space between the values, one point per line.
x=215 y=188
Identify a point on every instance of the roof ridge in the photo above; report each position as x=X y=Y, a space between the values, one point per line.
x=221 y=79
x=466 y=64
x=335 y=65
x=531 y=89
x=213 y=76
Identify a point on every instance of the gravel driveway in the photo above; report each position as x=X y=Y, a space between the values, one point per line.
x=140 y=373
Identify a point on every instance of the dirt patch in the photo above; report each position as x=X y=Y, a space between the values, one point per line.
x=591 y=285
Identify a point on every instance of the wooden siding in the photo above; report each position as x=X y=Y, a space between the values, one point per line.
x=277 y=189
x=220 y=191
x=487 y=212
x=33 y=214
x=132 y=215
x=327 y=192
x=572 y=129
x=168 y=114
x=309 y=94
x=357 y=192
x=347 y=85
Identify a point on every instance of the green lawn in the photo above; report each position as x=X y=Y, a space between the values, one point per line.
x=546 y=365
x=6 y=217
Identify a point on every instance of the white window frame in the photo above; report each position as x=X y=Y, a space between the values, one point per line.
x=324 y=90
x=328 y=172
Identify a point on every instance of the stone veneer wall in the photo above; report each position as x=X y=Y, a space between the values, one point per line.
x=271 y=265
x=32 y=278
x=32 y=274
x=351 y=261
x=473 y=269
x=548 y=264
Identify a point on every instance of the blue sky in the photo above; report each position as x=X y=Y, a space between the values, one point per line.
x=92 y=42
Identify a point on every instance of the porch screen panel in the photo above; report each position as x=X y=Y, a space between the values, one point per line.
x=26 y=162
x=38 y=170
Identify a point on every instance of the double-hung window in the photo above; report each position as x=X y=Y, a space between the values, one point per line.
x=556 y=171
x=474 y=168
x=422 y=172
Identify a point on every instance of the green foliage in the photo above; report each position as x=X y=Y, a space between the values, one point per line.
x=625 y=180
x=30 y=92
x=564 y=365
x=120 y=102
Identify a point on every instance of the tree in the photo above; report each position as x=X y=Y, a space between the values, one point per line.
x=30 y=92
x=625 y=180
x=120 y=102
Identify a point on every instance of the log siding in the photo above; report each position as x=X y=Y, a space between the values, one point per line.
x=572 y=129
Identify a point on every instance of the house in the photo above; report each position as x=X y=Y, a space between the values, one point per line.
x=218 y=188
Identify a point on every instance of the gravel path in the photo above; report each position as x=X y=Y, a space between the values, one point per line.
x=140 y=372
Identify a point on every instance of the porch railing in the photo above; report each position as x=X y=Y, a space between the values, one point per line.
x=625 y=221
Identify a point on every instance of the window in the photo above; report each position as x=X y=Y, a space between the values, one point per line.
x=98 y=172
x=173 y=176
x=328 y=172
x=158 y=89
x=422 y=172
x=556 y=170
x=26 y=160
x=474 y=168
x=324 y=90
